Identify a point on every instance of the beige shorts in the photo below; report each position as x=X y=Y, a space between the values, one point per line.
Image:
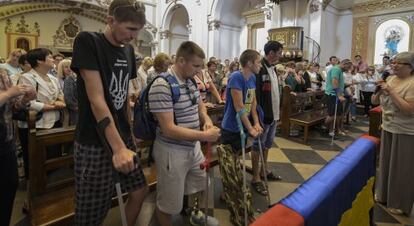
x=178 y=173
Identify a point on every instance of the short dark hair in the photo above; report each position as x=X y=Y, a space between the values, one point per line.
x=330 y=58
x=211 y=63
x=22 y=59
x=357 y=56
x=127 y=11
x=248 y=55
x=37 y=54
x=272 y=46
x=58 y=55
x=189 y=49
x=386 y=57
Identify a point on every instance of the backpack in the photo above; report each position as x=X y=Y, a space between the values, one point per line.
x=145 y=125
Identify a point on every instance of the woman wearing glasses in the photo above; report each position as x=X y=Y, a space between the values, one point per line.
x=395 y=185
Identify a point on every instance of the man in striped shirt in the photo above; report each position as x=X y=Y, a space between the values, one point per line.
x=177 y=151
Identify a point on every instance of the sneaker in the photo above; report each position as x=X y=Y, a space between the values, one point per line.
x=198 y=219
x=395 y=211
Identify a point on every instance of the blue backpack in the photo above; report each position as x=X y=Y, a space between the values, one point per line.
x=145 y=125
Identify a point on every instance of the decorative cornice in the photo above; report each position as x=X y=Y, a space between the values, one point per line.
x=214 y=25
x=380 y=5
x=66 y=33
x=22 y=27
x=165 y=34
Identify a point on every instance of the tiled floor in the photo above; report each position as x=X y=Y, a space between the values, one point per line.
x=290 y=158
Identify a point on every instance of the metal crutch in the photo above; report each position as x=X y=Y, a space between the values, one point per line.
x=206 y=166
x=243 y=145
x=100 y=127
x=334 y=122
x=264 y=171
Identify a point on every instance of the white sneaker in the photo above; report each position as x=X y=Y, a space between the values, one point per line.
x=198 y=219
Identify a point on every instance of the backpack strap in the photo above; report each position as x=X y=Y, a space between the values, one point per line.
x=175 y=87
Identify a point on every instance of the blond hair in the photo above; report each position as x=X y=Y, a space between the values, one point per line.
x=62 y=64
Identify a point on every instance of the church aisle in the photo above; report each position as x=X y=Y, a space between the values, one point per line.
x=289 y=158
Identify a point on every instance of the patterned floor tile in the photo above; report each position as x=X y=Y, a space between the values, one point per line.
x=381 y=215
x=285 y=143
x=327 y=155
x=307 y=170
x=303 y=156
x=287 y=171
x=276 y=155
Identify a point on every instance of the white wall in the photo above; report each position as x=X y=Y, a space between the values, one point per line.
x=344 y=35
x=336 y=35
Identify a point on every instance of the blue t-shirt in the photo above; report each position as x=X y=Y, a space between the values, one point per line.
x=248 y=88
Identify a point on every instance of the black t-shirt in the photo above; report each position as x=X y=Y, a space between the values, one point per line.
x=116 y=66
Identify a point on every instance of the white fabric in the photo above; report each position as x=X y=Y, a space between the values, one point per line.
x=275 y=92
x=47 y=93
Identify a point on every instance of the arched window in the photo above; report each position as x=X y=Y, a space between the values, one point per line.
x=23 y=43
x=391 y=37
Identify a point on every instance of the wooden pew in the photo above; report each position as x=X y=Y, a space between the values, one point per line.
x=305 y=109
x=375 y=121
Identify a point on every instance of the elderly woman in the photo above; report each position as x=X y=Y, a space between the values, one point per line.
x=207 y=88
x=63 y=71
x=12 y=63
x=70 y=92
x=395 y=184
x=49 y=96
x=161 y=64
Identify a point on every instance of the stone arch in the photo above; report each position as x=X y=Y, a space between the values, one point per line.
x=175 y=27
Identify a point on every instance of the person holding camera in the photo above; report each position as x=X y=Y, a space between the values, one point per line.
x=394 y=186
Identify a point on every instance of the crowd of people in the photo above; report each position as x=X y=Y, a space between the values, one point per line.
x=104 y=79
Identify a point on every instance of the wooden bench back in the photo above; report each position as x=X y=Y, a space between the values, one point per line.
x=39 y=141
x=292 y=105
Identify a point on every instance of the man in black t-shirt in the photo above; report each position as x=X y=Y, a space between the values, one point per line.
x=105 y=63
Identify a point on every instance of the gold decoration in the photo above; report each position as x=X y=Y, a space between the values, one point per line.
x=66 y=33
x=22 y=27
x=9 y=26
x=379 y=5
x=360 y=36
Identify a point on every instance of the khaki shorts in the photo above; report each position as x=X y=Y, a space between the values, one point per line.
x=178 y=173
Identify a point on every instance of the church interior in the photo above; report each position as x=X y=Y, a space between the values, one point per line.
x=320 y=179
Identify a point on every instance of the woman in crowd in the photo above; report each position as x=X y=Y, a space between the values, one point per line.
x=395 y=184
x=12 y=63
x=24 y=65
x=70 y=92
x=368 y=81
x=293 y=79
x=206 y=86
x=63 y=71
x=11 y=98
x=49 y=96
x=161 y=64
x=313 y=80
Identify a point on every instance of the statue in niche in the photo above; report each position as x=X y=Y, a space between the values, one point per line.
x=23 y=43
x=393 y=36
